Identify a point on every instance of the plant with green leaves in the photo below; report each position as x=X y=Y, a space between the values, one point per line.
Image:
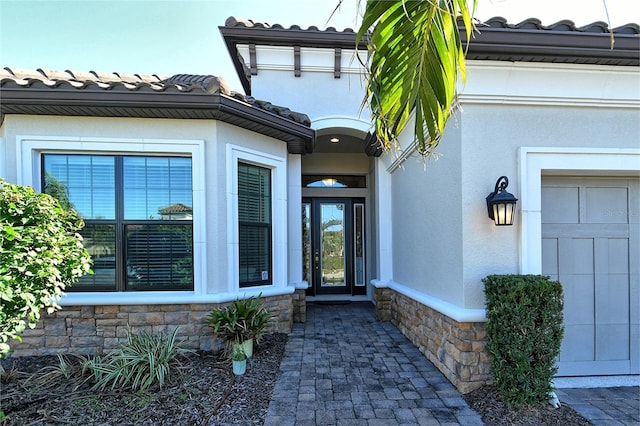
x=255 y=317
x=143 y=361
x=41 y=253
x=524 y=333
x=415 y=55
x=241 y=320
x=237 y=353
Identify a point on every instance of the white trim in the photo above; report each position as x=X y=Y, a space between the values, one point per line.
x=549 y=101
x=450 y=310
x=536 y=161
x=588 y=382
x=346 y=122
x=294 y=222
x=277 y=165
x=545 y=84
x=28 y=153
x=169 y=297
x=383 y=219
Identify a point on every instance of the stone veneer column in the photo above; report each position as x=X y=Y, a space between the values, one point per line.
x=382 y=299
x=457 y=349
x=300 y=305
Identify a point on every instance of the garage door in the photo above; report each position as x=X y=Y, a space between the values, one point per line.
x=590 y=244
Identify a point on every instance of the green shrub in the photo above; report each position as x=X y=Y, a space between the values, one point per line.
x=41 y=253
x=524 y=331
x=145 y=360
x=240 y=320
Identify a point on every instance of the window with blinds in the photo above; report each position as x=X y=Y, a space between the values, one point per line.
x=138 y=218
x=254 y=220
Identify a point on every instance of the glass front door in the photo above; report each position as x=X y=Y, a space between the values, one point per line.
x=333 y=246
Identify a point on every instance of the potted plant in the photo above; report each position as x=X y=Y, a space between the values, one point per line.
x=255 y=319
x=241 y=321
x=238 y=359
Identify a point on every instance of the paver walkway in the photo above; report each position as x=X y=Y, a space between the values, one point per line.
x=605 y=406
x=342 y=367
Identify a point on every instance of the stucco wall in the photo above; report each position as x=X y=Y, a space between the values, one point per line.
x=492 y=135
x=427 y=229
x=443 y=241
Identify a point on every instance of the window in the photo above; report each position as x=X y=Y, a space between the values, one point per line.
x=138 y=218
x=334 y=181
x=254 y=225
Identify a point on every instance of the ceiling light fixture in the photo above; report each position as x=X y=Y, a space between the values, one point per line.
x=334 y=140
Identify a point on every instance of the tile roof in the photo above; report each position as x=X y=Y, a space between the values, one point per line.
x=527 y=41
x=495 y=22
x=179 y=83
x=176 y=208
x=135 y=95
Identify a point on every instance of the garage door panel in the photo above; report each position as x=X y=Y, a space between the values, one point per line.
x=582 y=255
x=606 y=205
x=578 y=343
x=605 y=230
x=560 y=205
x=579 y=306
x=618 y=255
x=597 y=260
x=612 y=296
x=612 y=342
x=550 y=257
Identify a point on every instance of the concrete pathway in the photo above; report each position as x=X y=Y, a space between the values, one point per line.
x=342 y=367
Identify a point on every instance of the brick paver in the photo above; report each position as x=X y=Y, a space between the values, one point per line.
x=342 y=367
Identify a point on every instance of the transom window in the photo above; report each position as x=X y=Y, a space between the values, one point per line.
x=334 y=181
x=138 y=218
x=254 y=227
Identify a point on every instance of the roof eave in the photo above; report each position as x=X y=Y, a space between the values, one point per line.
x=95 y=103
x=554 y=46
x=282 y=37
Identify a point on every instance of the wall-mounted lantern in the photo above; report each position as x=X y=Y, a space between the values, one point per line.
x=501 y=205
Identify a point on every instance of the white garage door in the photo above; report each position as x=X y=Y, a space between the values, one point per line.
x=590 y=236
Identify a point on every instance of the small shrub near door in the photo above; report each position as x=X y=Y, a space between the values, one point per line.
x=524 y=332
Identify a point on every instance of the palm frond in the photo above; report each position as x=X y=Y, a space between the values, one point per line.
x=415 y=56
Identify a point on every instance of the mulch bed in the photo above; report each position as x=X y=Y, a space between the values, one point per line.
x=205 y=393
x=487 y=402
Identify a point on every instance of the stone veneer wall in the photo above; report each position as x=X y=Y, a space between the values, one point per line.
x=98 y=329
x=457 y=349
x=300 y=305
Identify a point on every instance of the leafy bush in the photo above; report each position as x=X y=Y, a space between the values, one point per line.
x=241 y=320
x=524 y=331
x=41 y=253
x=145 y=360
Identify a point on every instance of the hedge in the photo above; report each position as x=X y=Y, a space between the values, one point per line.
x=524 y=332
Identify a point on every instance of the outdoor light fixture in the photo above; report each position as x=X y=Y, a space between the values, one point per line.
x=334 y=140
x=500 y=204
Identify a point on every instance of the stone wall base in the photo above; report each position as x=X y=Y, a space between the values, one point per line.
x=92 y=330
x=457 y=349
x=300 y=306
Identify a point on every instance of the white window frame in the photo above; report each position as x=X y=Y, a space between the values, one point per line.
x=536 y=161
x=29 y=172
x=239 y=154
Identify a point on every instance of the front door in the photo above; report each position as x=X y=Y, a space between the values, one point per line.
x=334 y=254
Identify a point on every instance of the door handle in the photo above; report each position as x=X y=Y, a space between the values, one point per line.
x=316 y=259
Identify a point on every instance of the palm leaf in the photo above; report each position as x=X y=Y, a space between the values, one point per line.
x=415 y=56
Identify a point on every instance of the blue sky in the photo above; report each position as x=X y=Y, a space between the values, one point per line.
x=169 y=37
